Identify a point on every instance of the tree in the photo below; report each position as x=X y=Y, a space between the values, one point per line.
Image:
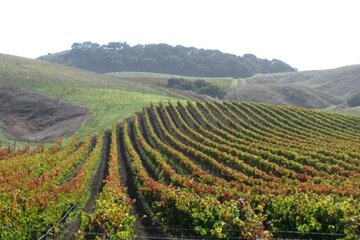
x=76 y=45
x=180 y=83
x=200 y=83
x=198 y=86
x=212 y=91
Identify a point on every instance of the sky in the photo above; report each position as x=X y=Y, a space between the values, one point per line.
x=307 y=34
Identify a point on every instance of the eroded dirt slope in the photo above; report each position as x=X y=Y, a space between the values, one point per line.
x=29 y=116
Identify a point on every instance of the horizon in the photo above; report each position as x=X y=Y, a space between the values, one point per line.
x=307 y=35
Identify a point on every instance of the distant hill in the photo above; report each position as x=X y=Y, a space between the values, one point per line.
x=325 y=89
x=93 y=100
x=341 y=82
x=283 y=95
x=315 y=89
x=248 y=89
x=163 y=58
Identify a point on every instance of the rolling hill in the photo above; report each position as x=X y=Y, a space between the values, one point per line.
x=101 y=93
x=105 y=97
x=281 y=88
x=286 y=94
x=340 y=82
x=205 y=169
x=320 y=89
x=163 y=58
x=244 y=78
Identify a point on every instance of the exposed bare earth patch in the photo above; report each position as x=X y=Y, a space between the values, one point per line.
x=29 y=116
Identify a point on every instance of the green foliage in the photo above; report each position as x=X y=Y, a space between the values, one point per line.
x=180 y=83
x=199 y=86
x=314 y=213
x=212 y=91
x=111 y=215
x=29 y=212
x=200 y=83
x=208 y=217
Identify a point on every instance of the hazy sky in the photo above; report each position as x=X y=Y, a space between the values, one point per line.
x=307 y=34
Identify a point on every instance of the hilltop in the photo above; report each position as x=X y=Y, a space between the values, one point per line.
x=163 y=58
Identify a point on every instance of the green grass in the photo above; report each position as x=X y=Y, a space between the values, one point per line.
x=107 y=97
x=107 y=104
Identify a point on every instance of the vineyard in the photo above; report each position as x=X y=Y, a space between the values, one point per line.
x=204 y=170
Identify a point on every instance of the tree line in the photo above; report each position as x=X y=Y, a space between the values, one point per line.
x=164 y=58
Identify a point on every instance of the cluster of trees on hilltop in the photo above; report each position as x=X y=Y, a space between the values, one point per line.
x=198 y=86
x=163 y=58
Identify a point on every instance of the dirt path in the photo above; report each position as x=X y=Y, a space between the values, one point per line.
x=70 y=229
x=144 y=227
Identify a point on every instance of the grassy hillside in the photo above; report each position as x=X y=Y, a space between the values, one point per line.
x=119 y=94
x=160 y=79
x=107 y=97
x=283 y=95
x=327 y=89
